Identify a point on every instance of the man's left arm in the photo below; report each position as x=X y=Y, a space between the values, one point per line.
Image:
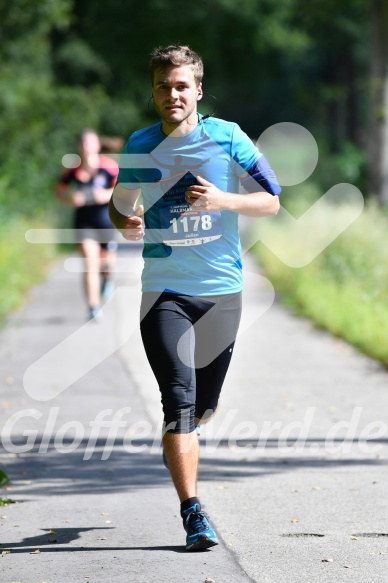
x=206 y=197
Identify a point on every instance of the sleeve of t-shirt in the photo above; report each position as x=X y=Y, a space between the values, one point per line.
x=126 y=176
x=251 y=160
x=243 y=150
x=110 y=166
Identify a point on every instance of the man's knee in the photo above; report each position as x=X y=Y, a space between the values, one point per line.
x=201 y=418
x=179 y=421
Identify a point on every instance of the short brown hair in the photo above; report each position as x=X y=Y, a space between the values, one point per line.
x=176 y=56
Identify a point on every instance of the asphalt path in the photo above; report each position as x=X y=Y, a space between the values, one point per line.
x=292 y=472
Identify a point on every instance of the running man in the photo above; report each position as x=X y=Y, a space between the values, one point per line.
x=88 y=189
x=188 y=169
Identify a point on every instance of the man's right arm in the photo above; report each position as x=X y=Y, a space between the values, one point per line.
x=123 y=215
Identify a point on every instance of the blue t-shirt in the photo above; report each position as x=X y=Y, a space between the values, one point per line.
x=187 y=251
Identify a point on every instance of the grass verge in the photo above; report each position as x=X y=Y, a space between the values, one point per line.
x=21 y=264
x=345 y=288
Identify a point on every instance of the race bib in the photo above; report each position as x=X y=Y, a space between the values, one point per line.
x=182 y=225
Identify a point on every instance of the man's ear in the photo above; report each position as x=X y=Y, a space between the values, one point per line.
x=200 y=93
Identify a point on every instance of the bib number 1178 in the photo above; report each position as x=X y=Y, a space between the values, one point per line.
x=191 y=224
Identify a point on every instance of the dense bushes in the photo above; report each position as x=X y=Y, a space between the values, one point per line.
x=21 y=264
x=39 y=120
x=345 y=288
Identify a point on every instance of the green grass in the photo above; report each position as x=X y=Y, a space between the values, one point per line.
x=345 y=289
x=6 y=501
x=4 y=479
x=21 y=264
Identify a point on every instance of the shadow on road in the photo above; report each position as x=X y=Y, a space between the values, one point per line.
x=48 y=542
x=56 y=472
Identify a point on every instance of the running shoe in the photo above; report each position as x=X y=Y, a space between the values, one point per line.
x=199 y=534
x=165 y=462
x=107 y=289
x=95 y=314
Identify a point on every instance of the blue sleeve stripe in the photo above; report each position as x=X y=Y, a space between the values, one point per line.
x=263 y=174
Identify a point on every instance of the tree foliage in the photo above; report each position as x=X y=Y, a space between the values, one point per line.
x=65 y=65
x=37 y=115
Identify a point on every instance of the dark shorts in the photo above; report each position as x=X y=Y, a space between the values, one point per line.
x=92 y=222
x=189 y=343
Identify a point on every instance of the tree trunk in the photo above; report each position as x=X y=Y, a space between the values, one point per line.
x=352 y=118
x=378 y=138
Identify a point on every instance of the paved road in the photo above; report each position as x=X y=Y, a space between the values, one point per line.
x=283 y=475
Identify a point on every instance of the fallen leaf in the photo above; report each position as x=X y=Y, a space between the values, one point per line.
x=52 y=531
x=355 y=538
x=327 y=560
x=104 y=513
x=66 y=521
x=209 y=580
x=230 y=545
x=26 y=482
x=37 y=552
x=294 y=520
x=102 y=538
x=221 y=488
x=4 y=516
x=9 y=380
x=315 y=488
x=5 y=552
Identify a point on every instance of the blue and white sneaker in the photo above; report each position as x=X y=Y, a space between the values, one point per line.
x=199 y=534
x=165 y=462
x=107 y=289
x=95 y=314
